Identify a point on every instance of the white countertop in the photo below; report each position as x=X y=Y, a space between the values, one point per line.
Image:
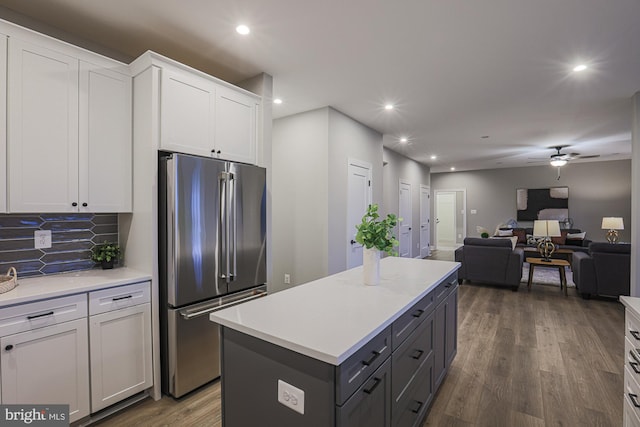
x=55 y=285
x=331 y=318
x=632 y=303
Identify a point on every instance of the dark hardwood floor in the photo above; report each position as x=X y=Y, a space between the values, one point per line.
x=524 y=358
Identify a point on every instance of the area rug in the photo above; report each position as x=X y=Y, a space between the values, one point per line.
x=546 y=276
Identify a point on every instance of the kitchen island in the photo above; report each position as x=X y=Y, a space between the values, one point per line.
x=335 y=352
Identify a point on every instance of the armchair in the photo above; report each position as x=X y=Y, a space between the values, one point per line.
x=492 y=261
x=604 y=270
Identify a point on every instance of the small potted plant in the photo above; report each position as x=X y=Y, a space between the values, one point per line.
x=106 y=254
x=375 y=235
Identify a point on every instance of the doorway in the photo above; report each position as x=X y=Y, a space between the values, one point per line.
x=425 y=215
x=358 y=201
x=451 y=222
x=405 y=212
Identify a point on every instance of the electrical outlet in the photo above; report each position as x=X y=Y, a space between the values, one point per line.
x=42 y=239
x=287 y=279
x=291 y=397
x=474 y=211
x=459 y=236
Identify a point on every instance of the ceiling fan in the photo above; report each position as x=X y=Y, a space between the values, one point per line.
x=559 y=159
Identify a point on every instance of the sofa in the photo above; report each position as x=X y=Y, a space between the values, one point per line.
x=491 y=261
x=563 y=242
x=604 y=270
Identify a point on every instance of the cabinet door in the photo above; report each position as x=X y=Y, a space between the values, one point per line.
x=105 y=140
x=439 y=343
x=3 y=121
x=120 y=354
x=370 y=405
x=451 y=327
x=235 y=134
x=47 y=366
x=187 y=112
x=43 y=129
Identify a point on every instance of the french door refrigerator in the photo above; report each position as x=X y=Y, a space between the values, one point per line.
x=212 y=255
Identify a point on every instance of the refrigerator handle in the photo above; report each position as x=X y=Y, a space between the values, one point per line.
x=223 y=253
x=232 y=220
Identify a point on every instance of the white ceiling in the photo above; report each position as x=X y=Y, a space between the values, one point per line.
x=456 y=70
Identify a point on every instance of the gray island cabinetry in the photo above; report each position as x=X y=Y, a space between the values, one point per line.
x=335 y=352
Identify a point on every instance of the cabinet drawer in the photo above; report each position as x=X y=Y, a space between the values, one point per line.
x=632 y=328
x=447 y=285
x=632 y=358
x=409 y=358
x=119 y=297
x=409 y=321
x=355 y=370
x=632 y=391
x=413 y=404
x=25 y=317
x=630 y=415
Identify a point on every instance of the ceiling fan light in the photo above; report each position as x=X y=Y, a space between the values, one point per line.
x=558 y=162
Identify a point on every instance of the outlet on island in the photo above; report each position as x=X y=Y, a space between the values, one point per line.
x=291 y=397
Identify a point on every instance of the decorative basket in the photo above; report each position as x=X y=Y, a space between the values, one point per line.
x=8 y=281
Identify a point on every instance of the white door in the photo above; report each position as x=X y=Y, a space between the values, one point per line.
x=43 y=129
x=187 y=112
x=445 y=219
x=120 y=354
x=105 y=140
x=405 y=226
x=235 y=134
x=48 y=365
x=425 y=234
x=359 y=199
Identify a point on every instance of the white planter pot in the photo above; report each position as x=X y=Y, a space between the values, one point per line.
x=371 y=266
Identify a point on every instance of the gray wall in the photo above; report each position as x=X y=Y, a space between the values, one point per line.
x=596 y=189
x=348 y=139
x=300 y=198
x=398 y=167
x=635 y=226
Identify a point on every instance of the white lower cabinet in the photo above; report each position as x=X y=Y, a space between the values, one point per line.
x=48 y=365
x=120 y=343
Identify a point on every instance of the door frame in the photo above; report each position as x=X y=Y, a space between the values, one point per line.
x=458 y=208
x=428 y=190
x=400 y=183
x=349 y=230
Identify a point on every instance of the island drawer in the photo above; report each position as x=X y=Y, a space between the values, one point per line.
x=446 y=286
x=34 y=315
x=632 y=328
x=370 y=404
x=409 y=321
x=414 y=402
x=356 y=369
x=409 y=358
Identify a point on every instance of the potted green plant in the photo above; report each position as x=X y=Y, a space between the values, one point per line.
x=106 y=254
x=375 y=235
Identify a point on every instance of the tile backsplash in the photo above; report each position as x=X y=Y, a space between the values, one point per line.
x=72 y=234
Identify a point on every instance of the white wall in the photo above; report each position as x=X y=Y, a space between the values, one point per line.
x=300 y=198
x=596 y=189
x=399 y=167
x=348 y=139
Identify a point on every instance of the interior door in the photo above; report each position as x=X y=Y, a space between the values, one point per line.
x=405 y=226
x=359 y=199
x=425 y=233
x=446 y=218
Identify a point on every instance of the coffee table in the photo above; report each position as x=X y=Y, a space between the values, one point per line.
x=565 y=254
x=560 y=264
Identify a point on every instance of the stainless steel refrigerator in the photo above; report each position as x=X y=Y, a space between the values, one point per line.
x=212 y=255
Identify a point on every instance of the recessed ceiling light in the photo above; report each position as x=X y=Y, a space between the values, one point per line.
x=403 y=139
x=434 y=157
x=243 y=29
x=452 y=168
x=277 y=101
x=579 y=68
x=388 y=107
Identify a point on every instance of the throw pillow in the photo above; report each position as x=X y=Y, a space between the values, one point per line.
x=533 y=240
x=560 y=240
x=514 y=240
x=521 y=235
x=505 y=233
x=577 y=236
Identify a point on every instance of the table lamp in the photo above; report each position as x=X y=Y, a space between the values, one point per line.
x=546 y=229
x=613 y=224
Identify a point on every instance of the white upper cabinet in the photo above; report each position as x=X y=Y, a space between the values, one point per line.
x=202 y=115
x=3 y=121
x=187 y=112
x=69 y=140
x=105 y=140
x=43 y=129
x=235 y=133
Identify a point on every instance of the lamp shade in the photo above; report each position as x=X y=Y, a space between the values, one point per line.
x=612 y=223
x=544 y=228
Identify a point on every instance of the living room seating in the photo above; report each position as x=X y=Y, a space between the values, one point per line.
x=605 y=270
x=571 y=238
x=491 y=261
